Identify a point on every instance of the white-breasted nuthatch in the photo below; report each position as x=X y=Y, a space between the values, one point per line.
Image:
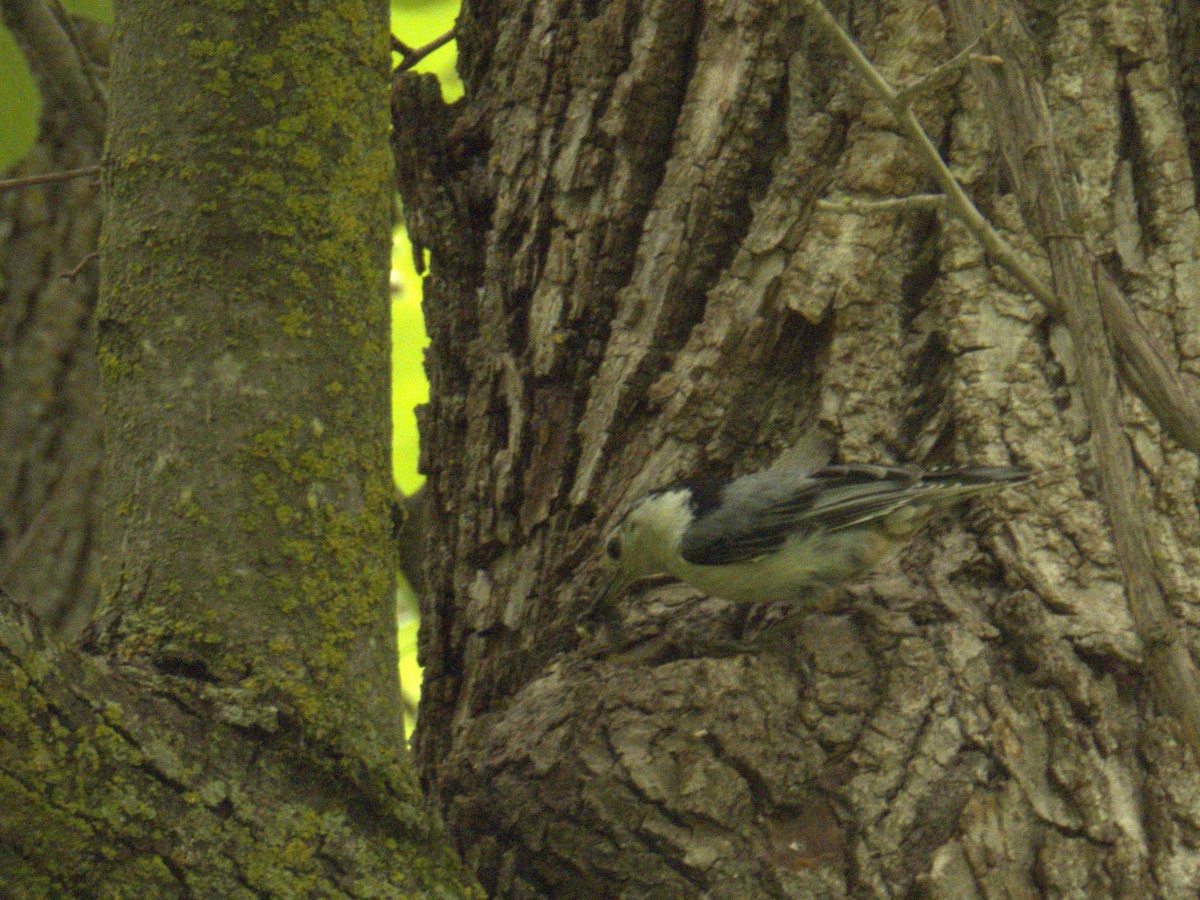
x=790 y=532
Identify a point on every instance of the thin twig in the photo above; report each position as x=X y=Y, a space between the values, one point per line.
x=1094 y=309
x=961 y=60
x=74 y=273
x=1143 y=357
x=910 y=203
x=13 y=183
x=410 y=56
x=957 y=200
x=1097 y=318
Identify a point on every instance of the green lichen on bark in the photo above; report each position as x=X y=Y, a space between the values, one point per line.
x=237 y=731
x=130 y=796
x=238 y=295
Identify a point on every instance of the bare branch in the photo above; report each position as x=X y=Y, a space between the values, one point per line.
x=957 y=200
x=911 y=203
x=74 y=273
x=1142 y=355
x=1143 y=364
x=55 y=60
x=9 y=184
x=944 y=71
x=99 y=94
x=410 y=56
x=1094 y=313
x=1048 y=193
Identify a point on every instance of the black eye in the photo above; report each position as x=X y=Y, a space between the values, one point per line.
x=613 y=549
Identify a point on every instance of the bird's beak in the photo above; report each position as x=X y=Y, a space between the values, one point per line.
x=603 y=605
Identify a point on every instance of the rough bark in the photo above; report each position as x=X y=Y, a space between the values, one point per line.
x=243 y=348
x=231 y=725
x=631 y=281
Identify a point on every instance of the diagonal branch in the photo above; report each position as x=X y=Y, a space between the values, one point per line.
x=410 y=56
x=957 y=200
x=88 y=69
x=1049 y=199
x=1023 y=129
x=55 y=60
x=1144 y=367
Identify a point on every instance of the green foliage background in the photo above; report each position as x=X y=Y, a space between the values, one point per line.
x=415 y=22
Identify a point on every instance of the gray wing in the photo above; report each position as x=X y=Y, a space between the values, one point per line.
x=757 y=513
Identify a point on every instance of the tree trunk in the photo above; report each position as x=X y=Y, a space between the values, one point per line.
x=634 y=279
x=231 y=725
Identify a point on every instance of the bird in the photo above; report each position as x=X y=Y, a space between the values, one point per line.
x=791 y=532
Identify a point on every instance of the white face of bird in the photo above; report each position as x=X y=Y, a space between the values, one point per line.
x=627 y=549
x=648 y=536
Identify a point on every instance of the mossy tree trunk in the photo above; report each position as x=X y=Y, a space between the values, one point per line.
x=633 y=279
x=231 y=726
